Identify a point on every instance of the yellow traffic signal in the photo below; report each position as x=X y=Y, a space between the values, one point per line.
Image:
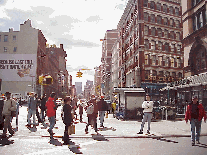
x=79 y=74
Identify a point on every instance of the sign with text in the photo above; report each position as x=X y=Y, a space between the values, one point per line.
x=17 y=67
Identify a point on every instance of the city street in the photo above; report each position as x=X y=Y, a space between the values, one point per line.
x=118 y=137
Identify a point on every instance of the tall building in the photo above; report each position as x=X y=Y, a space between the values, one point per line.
x=22 y=59
x=108 y=41
x=78 y=86
x=88 y=89
x=194 y=16
x=149 y=47
x=97 y=81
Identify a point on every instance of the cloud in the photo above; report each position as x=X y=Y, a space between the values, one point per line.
x=76 y=69
x=3 y=2
x=93 y=19
x=122 y=6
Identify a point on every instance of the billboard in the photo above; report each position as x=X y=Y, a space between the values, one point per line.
x=17 y=67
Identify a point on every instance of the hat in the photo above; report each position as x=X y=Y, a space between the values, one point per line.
x=195 y=97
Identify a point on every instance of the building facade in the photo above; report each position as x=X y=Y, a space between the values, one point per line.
x=78 y=86
x=150 y=50
x=22 y=57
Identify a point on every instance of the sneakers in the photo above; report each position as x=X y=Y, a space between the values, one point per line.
x=148 y=131
x=141 y=132
x=197 y=142
x=50 y=131
x=193 y=143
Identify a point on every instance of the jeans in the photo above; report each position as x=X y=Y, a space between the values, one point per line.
x=52 y=122
x=7 y=125
x=92 y=121
x=195 y=123
x=101 y=115
x=147 y=117
x=30 y=114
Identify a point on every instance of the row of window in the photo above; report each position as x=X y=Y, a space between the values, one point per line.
x=159 y=20
x=169 y=62
x=5 y=39
x=199 y=19
x=160 y=46
x=6 y=49
x=194 y=2
x=162 y=73
x=165 y=8
x=161 y=33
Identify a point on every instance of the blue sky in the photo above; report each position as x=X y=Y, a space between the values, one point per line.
x=77 y=24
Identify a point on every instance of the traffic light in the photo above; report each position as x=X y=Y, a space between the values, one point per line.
x=79 y=74
x=49 y=80
x=41 y=78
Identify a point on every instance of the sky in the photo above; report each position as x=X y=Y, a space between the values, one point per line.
x=77 y=24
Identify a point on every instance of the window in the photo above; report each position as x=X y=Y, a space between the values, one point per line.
x=172 y=35
x=176 y=11
x=171 y=22
x=5 y=38
x=172 y=47
x=154 y=73
x=160 y=61
x=14 y=38
x=159 y=32
x=177 y=24
x=158 y=6
x=165 y=21
x=146 y=16
x=173 y=74
x=165 y=8
x=159 y=45
x=161 y=73
x=199 y=20
x=166 y=33
x=167 y=74
x=194 y=24
x=152 y=5
x=146 y=45
x=194 y=2
x=154 y=60
x=180 y=75
x=153 y=44
x=159 y=19
x=177 y=36
x=179 y=62
x=178 y=48
x=167 y=61
x=146 y=30
x=172 y=62
x=166 y=47
x=15 y=49
x=145 y=3
x=171 y=10
x=153 y=18
x=147 y=73
x=146 y=59
x=5 y=49
x=153 y=31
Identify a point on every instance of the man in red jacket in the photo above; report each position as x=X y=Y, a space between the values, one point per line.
x=195 y=112
x=51 y=110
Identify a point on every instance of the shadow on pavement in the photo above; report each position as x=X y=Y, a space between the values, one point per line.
x=165 y=140
x=201 y=145
x=5 y=141
x=32 y=129
x=55 y=142
x=99 y=137
x=74 y=148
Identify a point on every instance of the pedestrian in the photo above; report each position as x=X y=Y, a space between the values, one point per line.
x=32 y=110
x=92 y=112
x=18 y=102
x=9 y=106
x=148 y=107
x=1 y=109
x=37 y=109
x=67 y=118
x=42 y=107
x=51 y=110
x=113 y=107
x=80 y=106
x=102 y=108
x=195 y=112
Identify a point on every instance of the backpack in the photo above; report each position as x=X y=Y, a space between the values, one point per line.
x=90 y=109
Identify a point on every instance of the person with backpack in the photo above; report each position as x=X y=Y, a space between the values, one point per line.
x=92 y=112
x=102 y=108
x=9 y=106
x=67 y=118
x=195 y=113
x=51 y=111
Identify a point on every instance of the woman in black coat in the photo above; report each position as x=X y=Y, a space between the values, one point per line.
x=67 y=118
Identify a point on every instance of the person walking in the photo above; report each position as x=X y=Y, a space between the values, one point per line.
x=32 y=110
x=80 y=106
x=42 y=107
x=37 y=110
x=113 y=108
x=195 y=112
x=148 y=107
x=102 y=108
x=51 y=110
x=67 y=118
x=92 y=112
x=9 y=106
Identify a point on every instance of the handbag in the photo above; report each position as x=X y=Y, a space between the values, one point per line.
x=13 y=113
x=71 y=129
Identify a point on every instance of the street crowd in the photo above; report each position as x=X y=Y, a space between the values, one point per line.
x=95 y=107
